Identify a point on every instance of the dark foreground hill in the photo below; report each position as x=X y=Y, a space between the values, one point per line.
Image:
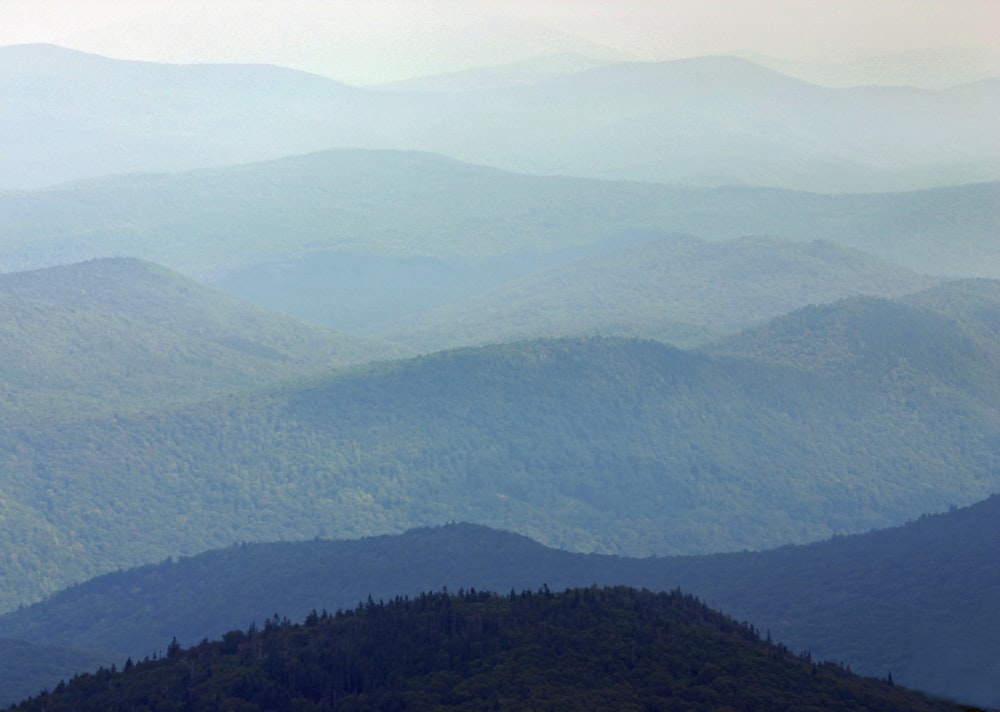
x=917 y=600
x=590 y=648
x=616 y=446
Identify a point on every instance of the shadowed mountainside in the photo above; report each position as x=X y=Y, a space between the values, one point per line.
x=582 y=648
x=914 y=600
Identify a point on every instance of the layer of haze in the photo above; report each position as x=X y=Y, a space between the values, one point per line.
x=929 y=42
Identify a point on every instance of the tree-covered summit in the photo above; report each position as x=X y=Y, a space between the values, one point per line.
x=590 y=648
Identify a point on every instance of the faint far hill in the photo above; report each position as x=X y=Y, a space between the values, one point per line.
x=524 y=72
x=701 y=121
x=117 y=335
x=79 y=115
x=938 y=68
x=209 y=222
x=916 y=600
x=360 y=45
x=352 y=238
x=681 y=290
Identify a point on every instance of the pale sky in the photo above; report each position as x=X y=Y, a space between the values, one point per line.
x=369 y=41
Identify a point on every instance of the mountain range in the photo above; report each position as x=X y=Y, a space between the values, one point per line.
x=119 y=335
x=360 y=45
x=209 y=223
x=681 y=290
x=693 y=325
x=559 y=439
x=711 y=120
x=430 y=252
x=915 y=600
x=578 y=649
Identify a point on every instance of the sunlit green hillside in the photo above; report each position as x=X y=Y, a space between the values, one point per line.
x=565 y=440
x=115 y=335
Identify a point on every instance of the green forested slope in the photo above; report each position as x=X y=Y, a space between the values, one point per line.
x=580 y=649
x=950 y=336
x=972 y=303
x=114 y=335
x=682 y=290
x=595 y=445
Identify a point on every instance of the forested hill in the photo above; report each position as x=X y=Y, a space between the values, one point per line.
x=872 y=338
x=679 y=289
x=393 y=204
x=27 y=668
x=580 y=649
x=972 y=303
x=563 y=440
x=115 y=335
x=852 y=599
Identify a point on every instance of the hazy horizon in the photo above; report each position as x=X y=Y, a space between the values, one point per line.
x=929 y=42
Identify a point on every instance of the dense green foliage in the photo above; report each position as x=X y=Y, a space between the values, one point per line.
x=681 y=290
x=971 y=303
x=116 y=335
x=878 y=339
x=918 y=600
x=595 y=649
x=561 y=440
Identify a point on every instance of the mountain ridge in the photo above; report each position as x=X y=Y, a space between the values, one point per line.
x=352 y=238
x=119 y=334
x=584 y=648
x=677 y=289
x=705 y=129
x=559 y=439
x=831 y=597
